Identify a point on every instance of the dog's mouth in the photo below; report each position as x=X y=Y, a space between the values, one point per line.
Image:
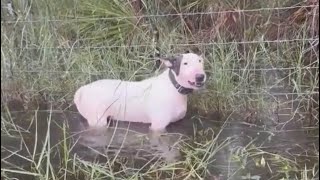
x=196 y=84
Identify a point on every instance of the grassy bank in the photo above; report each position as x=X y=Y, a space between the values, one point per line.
x=70 y=45
x=262 y=60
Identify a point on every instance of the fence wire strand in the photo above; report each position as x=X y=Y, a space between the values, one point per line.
x=98 y=72
x=311 y=40
x=262 y=85
x=160 y=15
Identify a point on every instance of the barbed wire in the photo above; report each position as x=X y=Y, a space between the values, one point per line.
x=98 y=72
x=75 y=112
x=262 y=91
x=243 y=91
x=312 y=40
x=233 y=94
x=159 y=15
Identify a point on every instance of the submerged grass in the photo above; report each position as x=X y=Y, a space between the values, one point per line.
x=251 y=70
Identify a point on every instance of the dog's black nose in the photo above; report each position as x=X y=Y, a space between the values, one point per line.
x=199 y=77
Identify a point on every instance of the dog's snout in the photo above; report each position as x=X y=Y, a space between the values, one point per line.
x=200 y=77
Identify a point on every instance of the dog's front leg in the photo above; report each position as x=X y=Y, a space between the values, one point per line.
x=157 y=128
x=163 y=142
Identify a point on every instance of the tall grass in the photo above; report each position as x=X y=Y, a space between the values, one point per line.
x=50 y=48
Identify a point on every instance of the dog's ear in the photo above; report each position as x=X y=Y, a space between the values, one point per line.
x=168 y=61
x=173 y=63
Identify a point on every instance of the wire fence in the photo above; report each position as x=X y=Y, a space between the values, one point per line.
x=256 y=86
x=312 y=41
x=310 y=45
x=160 y=15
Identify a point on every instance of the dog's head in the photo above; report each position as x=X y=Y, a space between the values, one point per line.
x=188 y=69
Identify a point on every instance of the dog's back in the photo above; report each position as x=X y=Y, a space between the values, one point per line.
x=120 y=100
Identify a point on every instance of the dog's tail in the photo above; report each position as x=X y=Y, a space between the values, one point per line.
x=77 y=97
x=76 y=100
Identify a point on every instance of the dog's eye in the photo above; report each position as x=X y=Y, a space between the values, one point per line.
x=185 y=63
x=200 y=60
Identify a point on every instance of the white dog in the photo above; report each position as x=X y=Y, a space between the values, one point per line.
x=159 y=100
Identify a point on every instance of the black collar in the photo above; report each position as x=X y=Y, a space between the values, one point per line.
x=181 y=89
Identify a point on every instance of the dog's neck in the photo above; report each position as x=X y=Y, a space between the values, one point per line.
x=181 y=89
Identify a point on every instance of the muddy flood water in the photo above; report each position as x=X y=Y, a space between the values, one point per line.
x=257 y=149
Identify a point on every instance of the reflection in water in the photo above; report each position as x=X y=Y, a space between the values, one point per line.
x=130 y=141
